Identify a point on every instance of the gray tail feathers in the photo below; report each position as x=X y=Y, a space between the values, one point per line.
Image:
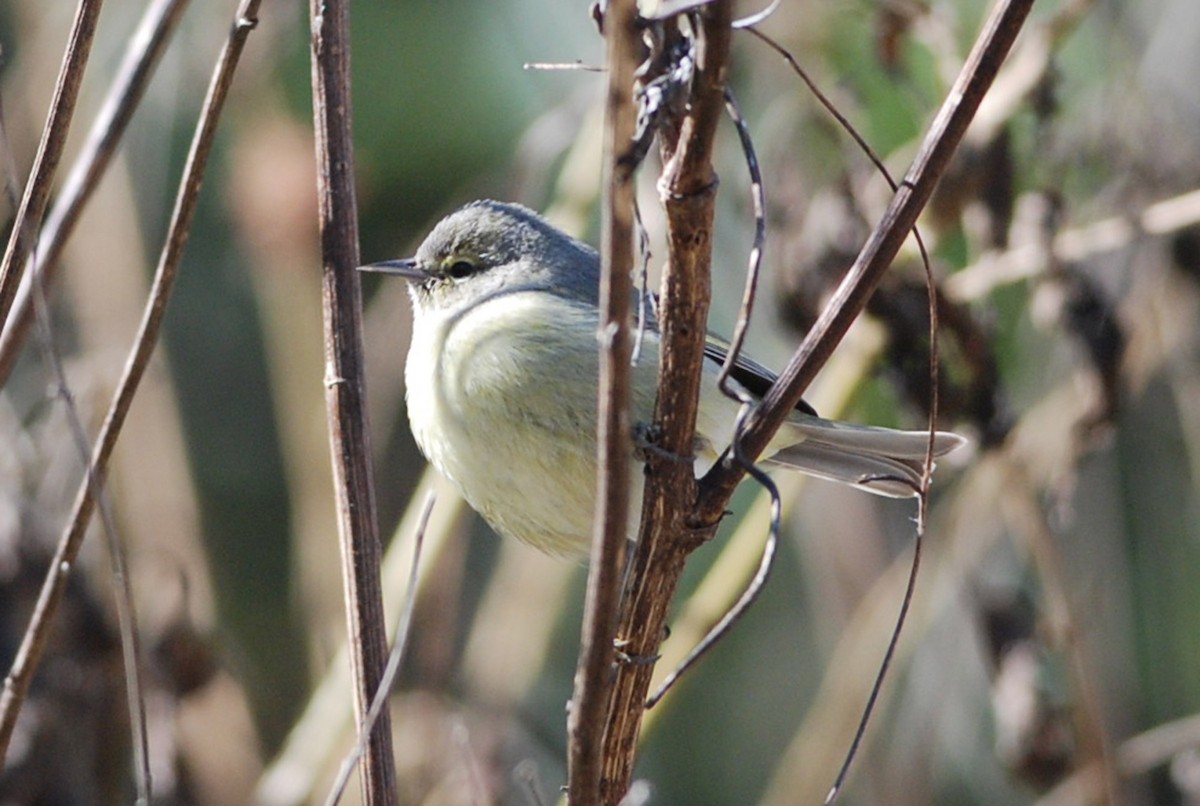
x=880 y=460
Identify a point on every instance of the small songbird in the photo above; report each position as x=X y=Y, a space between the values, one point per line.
x=502 y=383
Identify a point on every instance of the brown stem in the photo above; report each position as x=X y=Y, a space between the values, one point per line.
x=939 y=144
x=689 y=189
x=54 y=137
x=345 y=398
x=145 y=48
x=16 y=685
x=593 y=675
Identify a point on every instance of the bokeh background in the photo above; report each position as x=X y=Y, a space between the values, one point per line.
x=1053 y=650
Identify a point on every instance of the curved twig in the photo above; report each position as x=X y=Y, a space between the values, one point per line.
x=750 y=20
x=934 y=360
x=888 y=656
x=754 y=268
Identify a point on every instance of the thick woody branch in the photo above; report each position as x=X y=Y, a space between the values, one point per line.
x=688 y=187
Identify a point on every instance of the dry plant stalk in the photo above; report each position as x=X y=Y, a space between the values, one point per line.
x=593 y=678
x=146 y=47
x=50 y=150
x=34 y=641
x=345 y=386
x=681 y=514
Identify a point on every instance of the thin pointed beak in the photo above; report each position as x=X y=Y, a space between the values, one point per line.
x=406 y=268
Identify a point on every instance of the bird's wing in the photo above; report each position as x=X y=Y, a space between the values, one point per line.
x=749 y=373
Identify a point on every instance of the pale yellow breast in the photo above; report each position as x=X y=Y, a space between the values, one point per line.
x=502 y=400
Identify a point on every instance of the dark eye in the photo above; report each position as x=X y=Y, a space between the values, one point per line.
x=460 y=269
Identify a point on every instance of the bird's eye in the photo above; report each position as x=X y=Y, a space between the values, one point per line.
x=460 y=269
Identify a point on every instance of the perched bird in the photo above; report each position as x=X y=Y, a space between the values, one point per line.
x=502 y=383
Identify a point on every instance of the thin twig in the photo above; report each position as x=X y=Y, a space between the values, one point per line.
x=146 y=46
x=926 y=476
x=918 y=543
x=16 y=685
x=45 y=164
x=593 y=674
x=122 y=586
x=312 y=745
x=345 y=398
x=565 y=66
x=751 y=20
x=851 y=297
x=126 y=615
x=888 y=656
x=754 y=268
x=829 y=105
x=399 y=644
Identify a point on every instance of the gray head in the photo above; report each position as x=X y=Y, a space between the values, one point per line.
x=491 y=247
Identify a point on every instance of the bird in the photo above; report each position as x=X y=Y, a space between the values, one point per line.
x=501 y=384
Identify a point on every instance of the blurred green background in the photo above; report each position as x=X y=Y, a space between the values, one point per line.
x=1058 y=611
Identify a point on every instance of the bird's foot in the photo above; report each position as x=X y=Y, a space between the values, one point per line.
x=646 y=437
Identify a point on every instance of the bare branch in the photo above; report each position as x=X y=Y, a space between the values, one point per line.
x=16 y=685
x=45 y=164
x=851 y=297
x=345 y=398
x=689 y=189
x=146 y=46
x=593 y=675
x=131 y=653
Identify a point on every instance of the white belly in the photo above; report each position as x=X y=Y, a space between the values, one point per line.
x=502 y=401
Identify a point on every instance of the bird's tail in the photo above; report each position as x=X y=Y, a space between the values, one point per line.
x=883 y=461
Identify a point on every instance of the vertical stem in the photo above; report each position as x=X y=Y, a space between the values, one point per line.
x=668 y=534
x=344 y=384
x=593 y=675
